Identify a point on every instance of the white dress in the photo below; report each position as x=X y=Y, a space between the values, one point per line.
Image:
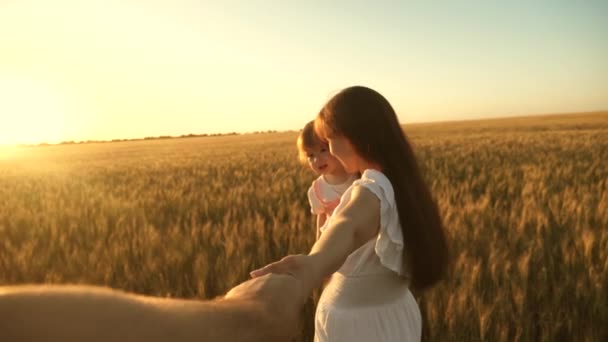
x=368 y=299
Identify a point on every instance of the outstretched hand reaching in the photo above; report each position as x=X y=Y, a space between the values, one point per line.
x=300 y=267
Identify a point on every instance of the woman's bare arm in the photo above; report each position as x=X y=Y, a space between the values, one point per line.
x=354 y=225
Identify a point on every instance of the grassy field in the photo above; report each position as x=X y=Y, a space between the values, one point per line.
x=524 y=201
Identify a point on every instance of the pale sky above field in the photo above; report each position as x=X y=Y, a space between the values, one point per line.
x=89 y=69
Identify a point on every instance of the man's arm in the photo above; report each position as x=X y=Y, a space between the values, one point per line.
x=265 y=310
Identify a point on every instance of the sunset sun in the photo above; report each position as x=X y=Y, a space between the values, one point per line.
x=32 y=111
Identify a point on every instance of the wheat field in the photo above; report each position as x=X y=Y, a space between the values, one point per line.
x=524 y=201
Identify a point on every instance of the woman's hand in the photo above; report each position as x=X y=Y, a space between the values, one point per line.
x=276 y=290
x=278 y=298
x=357 y=223
x=301 y=267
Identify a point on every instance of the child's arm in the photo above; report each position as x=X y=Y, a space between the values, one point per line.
x=321 y=218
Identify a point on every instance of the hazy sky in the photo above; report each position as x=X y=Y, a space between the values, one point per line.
x=88 y=69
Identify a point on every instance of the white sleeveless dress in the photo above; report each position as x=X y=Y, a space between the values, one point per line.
x=368 y=299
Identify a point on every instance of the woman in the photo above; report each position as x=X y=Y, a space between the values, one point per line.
x=385 y=236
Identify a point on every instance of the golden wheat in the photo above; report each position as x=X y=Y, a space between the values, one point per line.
x=525 y=205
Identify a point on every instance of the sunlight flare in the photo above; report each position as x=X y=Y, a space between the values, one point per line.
x=31 y=111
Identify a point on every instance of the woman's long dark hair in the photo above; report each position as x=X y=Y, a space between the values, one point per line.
x=369 y=122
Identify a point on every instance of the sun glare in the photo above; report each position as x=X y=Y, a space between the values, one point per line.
x=31 y=111
x=10 y=152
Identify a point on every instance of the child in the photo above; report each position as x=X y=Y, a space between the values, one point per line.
x=325 y=192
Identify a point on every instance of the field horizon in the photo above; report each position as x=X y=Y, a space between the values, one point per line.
x=515 y=121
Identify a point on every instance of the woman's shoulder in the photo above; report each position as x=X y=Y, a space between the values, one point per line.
x=375 y=175
x=376 y=182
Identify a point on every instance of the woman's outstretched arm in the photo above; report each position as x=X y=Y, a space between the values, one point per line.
x=354 y=225
x=258 y=310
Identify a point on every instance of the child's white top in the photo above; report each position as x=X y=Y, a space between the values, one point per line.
x=325 y=197
x=368 y=298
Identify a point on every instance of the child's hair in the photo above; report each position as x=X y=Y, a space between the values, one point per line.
x=308 y=138
x=368 y=121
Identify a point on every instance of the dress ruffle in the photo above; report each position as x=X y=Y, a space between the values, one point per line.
x=389 y=243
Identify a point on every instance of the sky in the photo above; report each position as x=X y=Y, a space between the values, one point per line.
x=113 y=69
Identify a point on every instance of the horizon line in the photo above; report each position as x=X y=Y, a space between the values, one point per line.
x=271 y=131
